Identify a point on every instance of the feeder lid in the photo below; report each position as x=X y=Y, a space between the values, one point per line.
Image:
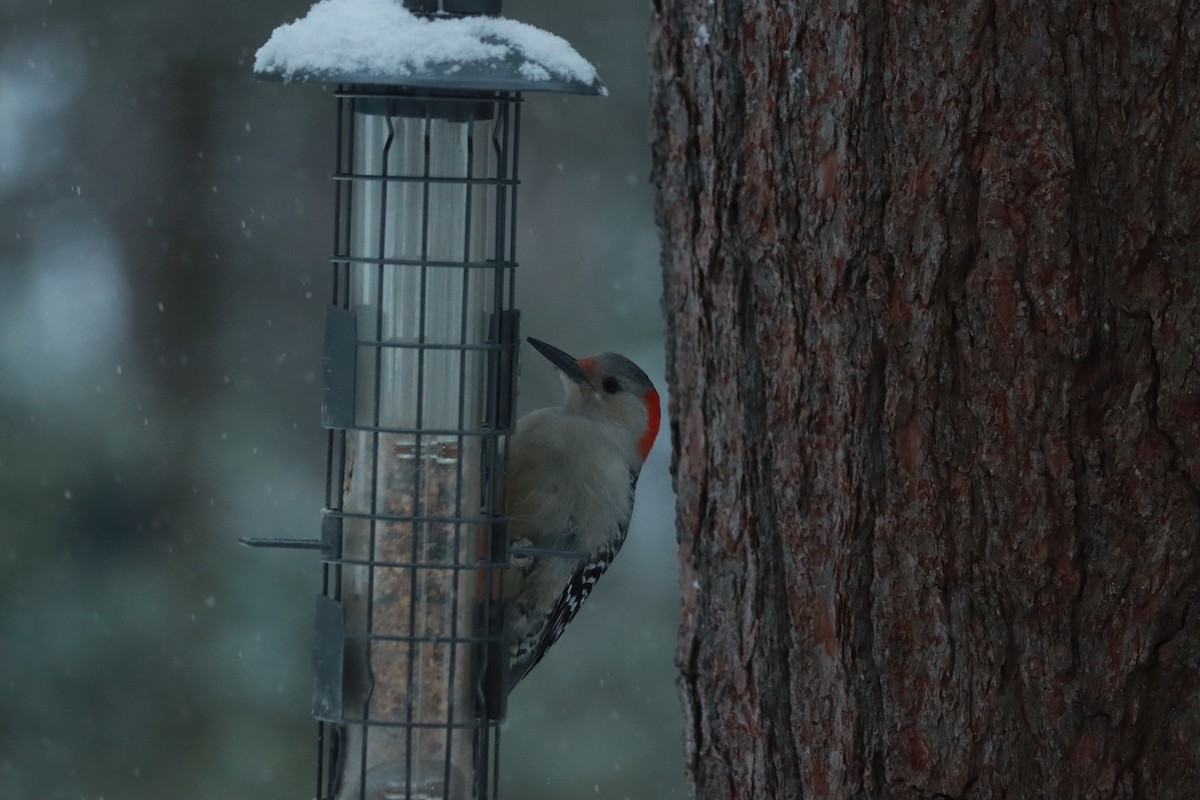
x=382 y=42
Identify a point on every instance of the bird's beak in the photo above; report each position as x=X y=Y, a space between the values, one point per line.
x=566 y=364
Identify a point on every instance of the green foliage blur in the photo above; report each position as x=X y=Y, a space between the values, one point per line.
x=165 y=225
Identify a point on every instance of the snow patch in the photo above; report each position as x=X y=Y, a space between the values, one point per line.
x=382 y=38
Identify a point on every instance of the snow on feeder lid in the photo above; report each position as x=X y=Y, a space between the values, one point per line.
x=383 y=42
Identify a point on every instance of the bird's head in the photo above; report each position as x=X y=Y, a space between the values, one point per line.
x=610 y=389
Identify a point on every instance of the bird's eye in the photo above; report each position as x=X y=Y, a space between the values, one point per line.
x=611 y=385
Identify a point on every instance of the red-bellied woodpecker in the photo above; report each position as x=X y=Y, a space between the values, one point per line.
x=571 y=476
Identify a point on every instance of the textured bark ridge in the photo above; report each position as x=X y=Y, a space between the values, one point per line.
x=933 y=289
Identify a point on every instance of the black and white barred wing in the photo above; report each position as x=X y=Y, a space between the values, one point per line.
x=527 y=654
x=528 y=649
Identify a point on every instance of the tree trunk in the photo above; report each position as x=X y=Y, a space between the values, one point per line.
x=933 y=288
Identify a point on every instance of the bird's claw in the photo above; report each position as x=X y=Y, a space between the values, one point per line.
x=521 y=560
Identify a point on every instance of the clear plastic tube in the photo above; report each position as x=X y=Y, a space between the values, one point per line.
x=420 y=226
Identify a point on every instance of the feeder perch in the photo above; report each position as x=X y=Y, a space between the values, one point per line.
x=419 y=363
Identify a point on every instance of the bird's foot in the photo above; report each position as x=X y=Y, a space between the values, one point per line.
x=518 y=559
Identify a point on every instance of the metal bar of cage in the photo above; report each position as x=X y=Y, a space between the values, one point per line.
x=506 y=145
x=421 y=179
x=473 y=642
x=433 y=262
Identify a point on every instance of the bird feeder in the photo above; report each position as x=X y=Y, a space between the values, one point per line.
x=419 y=361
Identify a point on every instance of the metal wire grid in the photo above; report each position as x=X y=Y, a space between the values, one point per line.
x=429 y=486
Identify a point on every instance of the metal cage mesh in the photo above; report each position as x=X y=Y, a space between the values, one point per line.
x=420 y=348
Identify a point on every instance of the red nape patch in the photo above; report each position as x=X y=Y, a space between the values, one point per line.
x=650 y=399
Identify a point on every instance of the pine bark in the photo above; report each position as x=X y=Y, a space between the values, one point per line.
x=932 y=285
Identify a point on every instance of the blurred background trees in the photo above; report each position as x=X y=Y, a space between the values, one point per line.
x=165 y=224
